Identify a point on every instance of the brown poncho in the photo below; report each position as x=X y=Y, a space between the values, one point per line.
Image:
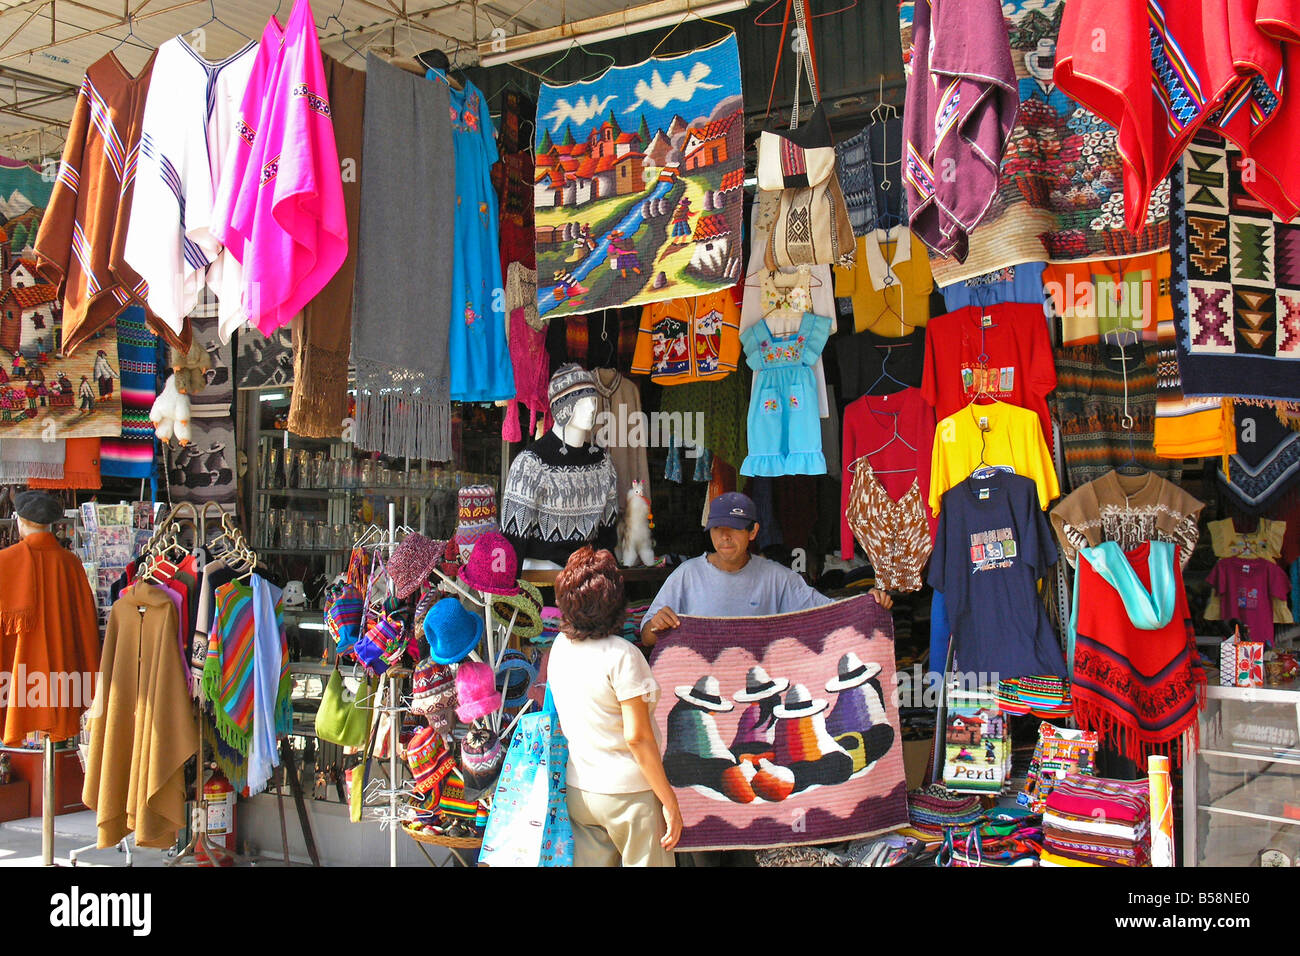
x=145 y=731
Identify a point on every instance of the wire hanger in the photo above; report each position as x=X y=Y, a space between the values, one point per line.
x=130 y=35
x=212 y=8
x=569 y=49
x=686 y=16
x=1127 y=422
x=760 y=22
x=897 y=436
x=343 y=36
x=884 y=371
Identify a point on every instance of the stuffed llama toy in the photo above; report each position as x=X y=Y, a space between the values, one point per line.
x=634 y=539
x=170 y=414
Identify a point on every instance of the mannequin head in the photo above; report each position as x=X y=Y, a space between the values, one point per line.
x=572 y=393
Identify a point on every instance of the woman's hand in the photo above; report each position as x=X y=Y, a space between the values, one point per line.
x=673 y=821
x=882 y=598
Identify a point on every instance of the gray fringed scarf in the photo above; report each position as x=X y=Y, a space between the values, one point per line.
x=402 y=305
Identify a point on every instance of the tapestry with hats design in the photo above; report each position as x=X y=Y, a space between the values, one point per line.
x=1236 y=275
x=637 y=184
x=782 y=730
x=1060 y=191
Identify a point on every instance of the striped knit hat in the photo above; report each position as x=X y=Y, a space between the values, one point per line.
x=476 y=515
x=570 y=383
x=430 y=761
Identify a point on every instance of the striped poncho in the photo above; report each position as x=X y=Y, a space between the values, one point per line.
x=229 y=678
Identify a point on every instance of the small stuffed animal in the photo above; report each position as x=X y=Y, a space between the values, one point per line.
x=634 y=526
x=191 y=369
x=170 y=414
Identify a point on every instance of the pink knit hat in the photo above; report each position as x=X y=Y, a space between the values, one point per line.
x=493 y=566
x=476 y=690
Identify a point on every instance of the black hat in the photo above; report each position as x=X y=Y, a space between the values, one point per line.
x=37 y=507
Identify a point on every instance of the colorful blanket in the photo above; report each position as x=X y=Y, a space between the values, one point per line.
x=1236 y=281
x=637 y=182
x=782 y=730
x=131 y=454
x=1060 y=195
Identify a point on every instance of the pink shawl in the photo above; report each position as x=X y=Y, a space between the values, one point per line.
x=297 y=234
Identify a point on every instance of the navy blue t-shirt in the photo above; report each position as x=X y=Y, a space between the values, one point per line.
x=992 y=546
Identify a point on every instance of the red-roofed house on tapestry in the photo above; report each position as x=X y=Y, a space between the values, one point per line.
x=715 y=143
x=29 y=316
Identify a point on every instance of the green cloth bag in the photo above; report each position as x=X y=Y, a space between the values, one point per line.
x=340 y=719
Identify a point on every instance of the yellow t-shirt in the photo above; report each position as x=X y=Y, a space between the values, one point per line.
x=1013 y=437
x=890 y=284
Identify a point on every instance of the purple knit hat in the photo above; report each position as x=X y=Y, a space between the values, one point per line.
x=412 y=563
x=493 y=566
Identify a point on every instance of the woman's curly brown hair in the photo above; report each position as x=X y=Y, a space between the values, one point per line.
x=590 y=595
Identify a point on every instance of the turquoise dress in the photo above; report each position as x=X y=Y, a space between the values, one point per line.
x=479 y=357
x=785 y=432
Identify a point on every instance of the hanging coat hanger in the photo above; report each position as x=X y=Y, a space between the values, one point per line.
x=689 y=14
x=212 y=9
x=1126 y=421
x=576 y=45
x=884 y=371
x=131 y=36
x=343 y=35
x=896 y=437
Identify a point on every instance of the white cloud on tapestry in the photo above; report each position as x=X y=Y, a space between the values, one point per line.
x=682 y=87
x=582 y=111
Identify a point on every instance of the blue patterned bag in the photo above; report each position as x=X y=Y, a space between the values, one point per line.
x=529 y=824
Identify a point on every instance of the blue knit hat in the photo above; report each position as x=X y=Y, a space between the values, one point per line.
x=452 y=632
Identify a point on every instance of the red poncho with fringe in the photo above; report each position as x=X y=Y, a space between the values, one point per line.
x=1140 y=689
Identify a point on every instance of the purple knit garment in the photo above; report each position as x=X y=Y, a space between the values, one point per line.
x=532 y=376
x=961 y=105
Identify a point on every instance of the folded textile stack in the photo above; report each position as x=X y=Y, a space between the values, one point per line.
x=936 y=809
x=1096 y=821
x=1041 y=696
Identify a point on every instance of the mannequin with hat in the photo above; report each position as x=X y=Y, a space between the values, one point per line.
x=562 y=491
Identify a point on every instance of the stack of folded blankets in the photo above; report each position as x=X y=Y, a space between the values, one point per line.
x=1095 y=821
x=1041 y=696
x=935 y=810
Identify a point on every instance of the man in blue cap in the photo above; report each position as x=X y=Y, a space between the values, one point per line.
x=731 y=582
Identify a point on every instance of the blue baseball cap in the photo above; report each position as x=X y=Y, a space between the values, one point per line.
x=732 y=510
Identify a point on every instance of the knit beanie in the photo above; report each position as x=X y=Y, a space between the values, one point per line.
x=570 y=383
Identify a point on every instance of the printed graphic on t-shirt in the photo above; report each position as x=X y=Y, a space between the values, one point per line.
x=1247 y=598
x=990 y=380
x=990 y=550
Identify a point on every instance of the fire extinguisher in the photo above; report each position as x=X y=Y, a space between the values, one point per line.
x=219 y=799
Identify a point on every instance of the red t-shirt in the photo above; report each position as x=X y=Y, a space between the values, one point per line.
x=1247 y=587
x=1012 y=340
x=869 y=428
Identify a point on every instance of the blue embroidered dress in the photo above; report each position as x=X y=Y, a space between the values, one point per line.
x=785 y=435
x=479 y=357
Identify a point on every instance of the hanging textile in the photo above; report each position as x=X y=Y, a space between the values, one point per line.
x=131 y=454
x=961 y=108
x=190 y=116
x=1059 y=191
x=1127 y=510
x=323 y=336
x=264 y=359
x=1138 y=680
x=48 y=627
x=1266 y=466
x=403 y=407
x=1237 y=282
x=295 y=228
x=638 y=179
x=79 y=246
x=135 y=767
x=80 y=466
x=782 y=718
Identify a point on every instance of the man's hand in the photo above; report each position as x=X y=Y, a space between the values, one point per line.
x=664 y=620
x=882 y=598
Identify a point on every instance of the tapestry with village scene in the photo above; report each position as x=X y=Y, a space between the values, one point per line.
x=43 y=394
x=637 y=184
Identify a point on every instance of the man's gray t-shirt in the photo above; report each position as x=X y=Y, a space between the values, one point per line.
x=761 y=587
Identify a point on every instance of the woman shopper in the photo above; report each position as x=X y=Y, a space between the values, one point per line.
x=623 y=810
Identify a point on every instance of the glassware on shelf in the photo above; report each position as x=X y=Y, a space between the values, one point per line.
x=323 y=539
x=368 y=473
